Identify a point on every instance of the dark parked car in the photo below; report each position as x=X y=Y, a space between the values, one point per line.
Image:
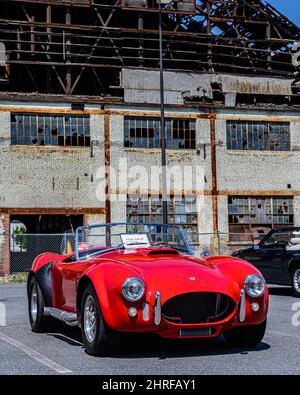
x=277 y=256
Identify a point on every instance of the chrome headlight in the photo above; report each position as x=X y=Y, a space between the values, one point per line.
x=255 y=285
x=133 y=289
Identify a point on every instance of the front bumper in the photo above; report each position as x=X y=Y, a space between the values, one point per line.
x=242 y=315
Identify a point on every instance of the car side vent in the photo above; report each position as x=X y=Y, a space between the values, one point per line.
x=164 y=252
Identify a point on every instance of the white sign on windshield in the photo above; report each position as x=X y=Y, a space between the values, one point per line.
x=134 y=240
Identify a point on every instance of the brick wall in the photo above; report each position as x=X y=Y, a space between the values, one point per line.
x=134 y=157
x=42 y=177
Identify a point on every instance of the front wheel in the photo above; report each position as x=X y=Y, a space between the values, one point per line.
x=246 y=336
x=98 y=338
x=296 y=281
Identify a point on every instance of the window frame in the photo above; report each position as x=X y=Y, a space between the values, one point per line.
x=274 y=207
x=259 y=136
x=133 y=136
x=40 y=126
x=147 y=212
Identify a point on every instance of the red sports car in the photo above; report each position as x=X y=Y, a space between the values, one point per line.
x=144 y=278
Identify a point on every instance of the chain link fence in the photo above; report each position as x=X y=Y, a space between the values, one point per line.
x=18 y=251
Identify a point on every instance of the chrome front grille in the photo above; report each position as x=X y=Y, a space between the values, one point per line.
x=198 y=307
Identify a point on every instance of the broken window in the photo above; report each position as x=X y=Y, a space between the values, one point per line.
x=182 y=210
x=145 y=133
x=258 y=214
x=50 y=129
x=259 y=136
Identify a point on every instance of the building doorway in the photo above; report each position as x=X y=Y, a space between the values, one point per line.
x=31 y=235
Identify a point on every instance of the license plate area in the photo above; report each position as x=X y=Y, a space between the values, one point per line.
x=196 y=332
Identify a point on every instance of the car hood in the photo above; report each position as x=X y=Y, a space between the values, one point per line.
x=172 y=274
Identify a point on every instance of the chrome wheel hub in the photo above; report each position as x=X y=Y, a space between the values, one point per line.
x=33 y=303
x=90 y=319
x=296 y=280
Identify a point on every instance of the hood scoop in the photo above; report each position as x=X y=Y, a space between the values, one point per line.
x=163 y=251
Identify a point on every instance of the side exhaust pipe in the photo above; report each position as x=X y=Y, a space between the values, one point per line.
x=61 y=315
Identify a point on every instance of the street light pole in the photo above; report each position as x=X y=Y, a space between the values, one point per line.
x=162 y=123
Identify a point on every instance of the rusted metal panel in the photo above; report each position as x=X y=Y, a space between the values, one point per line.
x=240 y=192
x=142 y=86
x=258 y=85
x=52 y=210
x=120 y=112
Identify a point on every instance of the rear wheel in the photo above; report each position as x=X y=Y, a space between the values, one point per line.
x=98 y=338
x=296 y=281
x=246 y=336
x=38 y=321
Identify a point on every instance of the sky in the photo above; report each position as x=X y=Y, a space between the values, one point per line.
x=290 y=8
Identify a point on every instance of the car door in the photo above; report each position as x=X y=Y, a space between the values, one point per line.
x=65 y=277
x=274 y=256
x=266 y=260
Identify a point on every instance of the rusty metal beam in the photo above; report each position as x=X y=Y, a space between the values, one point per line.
x=52 y=210
x=107 y=167
x=76 y=57
x=214 y=181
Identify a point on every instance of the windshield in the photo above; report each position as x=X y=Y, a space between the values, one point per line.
x=102 y=238
x=289 y=238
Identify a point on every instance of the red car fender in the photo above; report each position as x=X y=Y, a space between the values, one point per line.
x=42 y=259
x=240 y=269
x=236 y=268
x=107 y=280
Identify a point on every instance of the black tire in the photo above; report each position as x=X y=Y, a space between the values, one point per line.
x=295 y=281
x=104 y=341
x=246 y=336
x=39 y=323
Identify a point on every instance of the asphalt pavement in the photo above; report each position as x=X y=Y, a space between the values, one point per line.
x=24 y=352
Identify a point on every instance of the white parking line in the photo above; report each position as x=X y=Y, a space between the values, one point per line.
x=35 y=355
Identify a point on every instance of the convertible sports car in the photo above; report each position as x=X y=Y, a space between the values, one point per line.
x=277 y=256
x=144 y=278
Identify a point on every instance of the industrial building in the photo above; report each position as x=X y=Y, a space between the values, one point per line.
x=80 y=109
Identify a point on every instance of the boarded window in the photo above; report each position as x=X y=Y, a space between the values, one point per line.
x=50 y=129
x=259 y=136
x=148 y=208
x=258 y=214
x=145 y=133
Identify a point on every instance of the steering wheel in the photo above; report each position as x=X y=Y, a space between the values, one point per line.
x=282 y=244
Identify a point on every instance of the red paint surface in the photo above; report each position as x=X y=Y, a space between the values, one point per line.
x=167 y=273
